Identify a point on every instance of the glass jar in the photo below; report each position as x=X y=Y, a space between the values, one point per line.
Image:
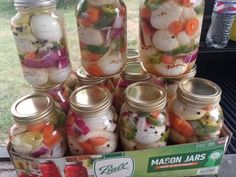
x=133 y=73
x=143 y=117
x=132 y=56
x=195 y=115
x=91 y=124
x=40 y=38
x=49 y=169
x=171 y=83
x=169 y=35
x=39 y=129
x=102 y=30
x=85 y=79
x=60 y=94
x=75 y=169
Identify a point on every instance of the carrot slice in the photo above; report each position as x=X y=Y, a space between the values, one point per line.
x=90 y=56
x=52 y=139
x=167 y=59
x=47 y=130
x=181 y=126
x=176 y=27
x=145 y=13
x=94 y=14
x=31 y=56
x=192 y=26
x=186 y=2
x=97 y=141
x=36 y=128
x=94 y=70
x=88 y=148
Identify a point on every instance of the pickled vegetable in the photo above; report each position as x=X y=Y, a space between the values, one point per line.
x=171 y=31
x=102 y=34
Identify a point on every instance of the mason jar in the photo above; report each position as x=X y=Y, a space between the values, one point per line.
x=133 y=73
x=39 y=129
x=169 y=35
x=143 y=117
x=132 y=56
x=86 y=79
x=40 y=38
x=102 y=31
x=195 y=115
x=60 y=94
x=91 y=123
x=171 y=83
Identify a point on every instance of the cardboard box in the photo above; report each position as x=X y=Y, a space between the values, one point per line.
x=201 y=158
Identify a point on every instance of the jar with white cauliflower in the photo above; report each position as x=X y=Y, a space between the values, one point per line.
x=171 y=83
x=102 y=30
x=39 y=33
x=169 y=35
x=195 y=115
x=39 y=128
x=143 y=117
x=91 y=123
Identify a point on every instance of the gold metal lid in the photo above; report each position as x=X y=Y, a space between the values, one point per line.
x=45 y=89
x=132 y=55
x=90 y=99
x=85 y=79
x=145 y=96
x=32 y=108
x=199 y=92
x=134 y=72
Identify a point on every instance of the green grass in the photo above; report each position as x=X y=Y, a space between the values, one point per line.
x=12 y=83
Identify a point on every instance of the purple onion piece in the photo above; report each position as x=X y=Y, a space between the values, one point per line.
x=63 y=52
x=117 y=33
x=190 y=58
x=63 y=62
x=39 y=152
x=51 y=59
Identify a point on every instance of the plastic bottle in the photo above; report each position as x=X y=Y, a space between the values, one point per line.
x=222 y=18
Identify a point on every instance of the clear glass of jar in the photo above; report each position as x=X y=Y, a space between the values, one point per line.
x=39 y=129
x=169 y=35
x=40 y=38
x=195 y=115
x=91 y=123
x=86 y=79
x=60 y=94
x=171 y=83
x=133 y=73
x=102 y=30
x=143 y=117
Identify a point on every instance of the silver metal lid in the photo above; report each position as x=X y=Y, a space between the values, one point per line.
x=32 y=108
x=85 y=79
x=134 y=72
x=199 y=92
x=132 y=55
x=90 y=99
x=34 y=3
x=145 y=96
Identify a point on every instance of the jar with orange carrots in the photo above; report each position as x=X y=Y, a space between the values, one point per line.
x=92 y=122
x=195 y=115
x=169 y=35
x=39 y=129
x=102 y=31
